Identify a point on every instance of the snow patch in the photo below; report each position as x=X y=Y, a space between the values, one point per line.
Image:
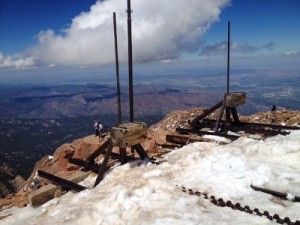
x=144 y=193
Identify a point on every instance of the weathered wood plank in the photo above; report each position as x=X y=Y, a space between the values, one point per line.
x=129 y=134
x=47 y=192
x=235 y=99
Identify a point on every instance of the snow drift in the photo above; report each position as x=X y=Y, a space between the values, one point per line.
x=144 y=193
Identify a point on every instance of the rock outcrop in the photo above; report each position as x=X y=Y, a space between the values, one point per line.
x=9 y=181
x=180 y=118
x=57 y=164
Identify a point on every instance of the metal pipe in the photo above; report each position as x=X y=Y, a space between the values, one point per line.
x=104 y=166
x=117 y=69
x=130 y=69
x=204 y=114
x=228 y=72
x=275 y=193
x=98 y=151
x=182 y=130
x=228 y=56
x=60 y=181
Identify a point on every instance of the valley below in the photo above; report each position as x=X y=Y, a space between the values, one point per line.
x=37 y=118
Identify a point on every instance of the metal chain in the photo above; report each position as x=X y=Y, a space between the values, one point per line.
x=237 y=206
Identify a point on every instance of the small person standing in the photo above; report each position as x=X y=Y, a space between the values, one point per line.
x=96 y=126
x=100 y=128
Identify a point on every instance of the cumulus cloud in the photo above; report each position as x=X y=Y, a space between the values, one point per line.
x=292 y=53
x=161 y=30
x=16 y=61
x=221 y=48
x=269 y=46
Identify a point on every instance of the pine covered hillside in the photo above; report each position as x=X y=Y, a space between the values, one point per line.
x=189 y=186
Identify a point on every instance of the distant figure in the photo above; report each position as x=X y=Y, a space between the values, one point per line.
x=96 y=126
x=100 y=128
x=273 y=108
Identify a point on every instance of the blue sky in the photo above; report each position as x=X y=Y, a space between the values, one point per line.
x=257 y=22
x=22 y=20
x=53 y=36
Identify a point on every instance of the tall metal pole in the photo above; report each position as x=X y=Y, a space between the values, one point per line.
x=117 y=69
x=228 y=56
x=228 y=110
x=130 y=70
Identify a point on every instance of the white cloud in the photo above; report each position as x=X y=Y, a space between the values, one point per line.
x=161 y=30
x=292 y=53
x=221 y=48
x=16 y=61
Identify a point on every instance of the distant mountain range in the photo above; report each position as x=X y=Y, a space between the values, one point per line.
x=153 y=95
x=89 y=100
x=36 y=119
x=52 y=102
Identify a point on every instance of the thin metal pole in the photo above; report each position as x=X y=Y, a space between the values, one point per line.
x=117 y=69
x=228 y=57
x=130 y=69
x=228 y=73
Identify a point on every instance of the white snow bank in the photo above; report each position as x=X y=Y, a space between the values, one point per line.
x=143 y=193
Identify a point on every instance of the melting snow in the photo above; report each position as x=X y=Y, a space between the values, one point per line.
x=143 y=193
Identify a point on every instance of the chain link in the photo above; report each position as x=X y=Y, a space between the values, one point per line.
x=237 y=206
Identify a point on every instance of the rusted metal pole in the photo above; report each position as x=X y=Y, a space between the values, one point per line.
x=196 y=131
x=130 y=69
x=117 y=69
x=104 y=165
x=275 y=193
x=228 y=56
x=98 y=151
x=206 y=113
x=228 y=71
x=60 y=181
x=217 y=126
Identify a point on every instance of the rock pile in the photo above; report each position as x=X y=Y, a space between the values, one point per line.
x=180 y=118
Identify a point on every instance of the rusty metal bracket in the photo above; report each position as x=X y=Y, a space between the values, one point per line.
x=103 y=167
x=86 y=164
x=60 y=181
x=98 y=151
x=194 y=131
